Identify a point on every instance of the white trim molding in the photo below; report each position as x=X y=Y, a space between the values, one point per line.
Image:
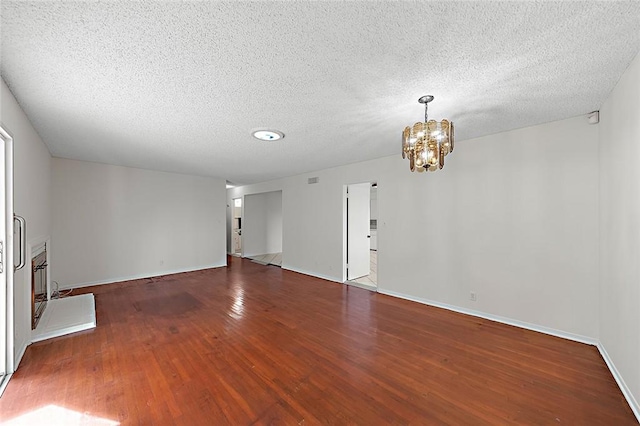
x=620 y=381
x=312 y=274
x=138 y=277
x=11 y=363
x=497 y=318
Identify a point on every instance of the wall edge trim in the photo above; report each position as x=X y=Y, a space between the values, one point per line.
x=620 y=381
x=312 y=274
x=504 y=320
x=139 y=276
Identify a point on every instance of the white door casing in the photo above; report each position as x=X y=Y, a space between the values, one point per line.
x=6 y=276
x=6 y=263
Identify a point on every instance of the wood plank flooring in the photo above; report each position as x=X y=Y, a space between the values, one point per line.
x=252 y=344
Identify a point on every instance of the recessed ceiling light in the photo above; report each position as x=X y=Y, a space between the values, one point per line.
x=268 y=135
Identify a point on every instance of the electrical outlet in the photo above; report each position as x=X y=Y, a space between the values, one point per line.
x=473 y=296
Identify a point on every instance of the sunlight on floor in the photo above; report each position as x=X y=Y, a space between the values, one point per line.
x=52 y=415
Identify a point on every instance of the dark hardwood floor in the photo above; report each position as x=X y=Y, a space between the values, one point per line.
x=252 y=344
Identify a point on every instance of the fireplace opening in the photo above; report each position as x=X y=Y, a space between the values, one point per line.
x=38 y=286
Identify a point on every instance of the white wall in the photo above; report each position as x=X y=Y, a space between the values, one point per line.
x=32 y=200
x=620 y=228
x=115 y=223
x=273 y=221
x=515 y=219
x=374 y=204
x=254 y=234
x=262 y=223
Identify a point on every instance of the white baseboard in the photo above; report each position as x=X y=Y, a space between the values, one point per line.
x=620 y=381
x=138 y=277
x=497 y=318
x=312 y=274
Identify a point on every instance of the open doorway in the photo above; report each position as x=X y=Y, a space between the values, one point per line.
x=361 y=260
x=262 y=235
x=236 y=227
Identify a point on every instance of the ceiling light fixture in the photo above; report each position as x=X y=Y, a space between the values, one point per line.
x=426 y=144
x=268 y=135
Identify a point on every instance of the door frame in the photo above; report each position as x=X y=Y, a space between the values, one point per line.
x=7 y=140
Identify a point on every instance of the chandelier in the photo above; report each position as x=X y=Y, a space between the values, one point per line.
x=426 y=144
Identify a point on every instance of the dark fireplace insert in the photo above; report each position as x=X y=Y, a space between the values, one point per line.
x=38 y=286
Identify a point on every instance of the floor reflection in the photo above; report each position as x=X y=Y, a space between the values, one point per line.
x=237 y=308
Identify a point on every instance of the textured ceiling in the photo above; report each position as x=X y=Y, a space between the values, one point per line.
x=179 y=86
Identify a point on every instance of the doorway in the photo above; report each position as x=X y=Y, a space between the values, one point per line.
x=361 y=235
x=6 y=258
x=263 y=228
x=236 y=227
